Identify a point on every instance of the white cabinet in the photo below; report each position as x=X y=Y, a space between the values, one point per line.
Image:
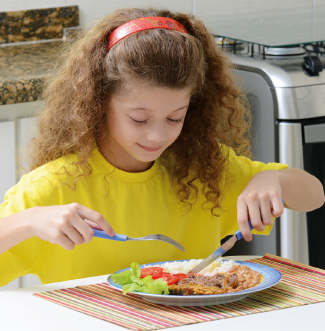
x=7 y=157
x=25 y=130
x=25 y=133
x=15 y=123
x=7 y=169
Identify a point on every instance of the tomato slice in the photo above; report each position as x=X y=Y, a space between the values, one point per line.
x=172 y=279
x=155 y=272
x=180 y=276
x=165 y=276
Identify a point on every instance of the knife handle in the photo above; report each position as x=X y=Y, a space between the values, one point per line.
x=238 y=233
x=102 y=234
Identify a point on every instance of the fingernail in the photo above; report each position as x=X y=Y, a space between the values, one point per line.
x=112 y=233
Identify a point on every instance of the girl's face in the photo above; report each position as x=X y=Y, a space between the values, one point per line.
x=143 y=122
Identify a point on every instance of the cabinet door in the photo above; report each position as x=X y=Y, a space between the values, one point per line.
x=7 y=170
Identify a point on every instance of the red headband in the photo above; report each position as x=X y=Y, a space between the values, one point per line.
x=144 y=23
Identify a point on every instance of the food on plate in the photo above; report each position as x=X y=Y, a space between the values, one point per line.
x=238 y=278
x=155 y=272
x=131 y=281
x=173 y=278
x=185 y=266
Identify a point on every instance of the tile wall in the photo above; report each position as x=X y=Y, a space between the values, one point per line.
x=93 y=10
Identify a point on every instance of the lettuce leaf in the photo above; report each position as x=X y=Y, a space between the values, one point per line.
x=122 y=278
x=136 y=269
x=131 y=282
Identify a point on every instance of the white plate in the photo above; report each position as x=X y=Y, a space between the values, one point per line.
x=270 y=278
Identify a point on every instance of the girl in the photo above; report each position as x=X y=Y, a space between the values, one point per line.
x=141 y=133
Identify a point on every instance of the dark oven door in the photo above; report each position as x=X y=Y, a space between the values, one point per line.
x=313 y=132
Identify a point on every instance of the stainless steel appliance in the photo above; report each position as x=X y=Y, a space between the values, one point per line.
x=283 y=73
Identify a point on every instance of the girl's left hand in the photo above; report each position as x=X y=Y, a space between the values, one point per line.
x=259 y=202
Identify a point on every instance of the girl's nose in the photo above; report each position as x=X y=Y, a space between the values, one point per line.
x=156 y=134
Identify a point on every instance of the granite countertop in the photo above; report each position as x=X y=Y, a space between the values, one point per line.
x=23 y=69
x=30 y=45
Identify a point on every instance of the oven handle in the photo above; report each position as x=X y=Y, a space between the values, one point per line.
x=314 y=133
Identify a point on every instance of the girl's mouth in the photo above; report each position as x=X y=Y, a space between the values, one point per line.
x=150 y=149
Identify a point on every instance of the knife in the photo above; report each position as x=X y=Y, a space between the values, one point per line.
x=219 y=252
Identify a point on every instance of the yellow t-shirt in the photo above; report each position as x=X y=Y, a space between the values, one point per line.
x=135 y=204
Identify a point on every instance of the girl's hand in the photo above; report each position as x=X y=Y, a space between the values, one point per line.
x=66 y=225
x=259 y=202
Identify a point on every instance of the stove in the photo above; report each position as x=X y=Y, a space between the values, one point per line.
x=282 y=69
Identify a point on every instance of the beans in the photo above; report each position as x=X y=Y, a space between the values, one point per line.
x=247 y=278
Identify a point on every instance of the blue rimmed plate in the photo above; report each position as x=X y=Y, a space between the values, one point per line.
x=270 y=278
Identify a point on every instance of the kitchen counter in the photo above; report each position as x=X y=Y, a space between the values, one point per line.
x=23 y=69
x=30 y=42
x=23 y=311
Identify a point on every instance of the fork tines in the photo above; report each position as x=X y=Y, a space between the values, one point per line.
x=171 y=241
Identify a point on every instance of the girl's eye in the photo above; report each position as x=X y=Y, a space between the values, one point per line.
x=181 y=120
x=138 y=122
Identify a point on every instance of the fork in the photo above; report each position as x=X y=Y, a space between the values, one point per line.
x=123 y=237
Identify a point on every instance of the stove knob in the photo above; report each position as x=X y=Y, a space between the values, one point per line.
x=312 y=65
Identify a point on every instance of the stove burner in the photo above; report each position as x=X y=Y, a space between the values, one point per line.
x=253 y=50
x=285 y=51
x=315 y=49
x=230 y=45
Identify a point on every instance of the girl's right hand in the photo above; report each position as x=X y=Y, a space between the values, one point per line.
x=66 y=225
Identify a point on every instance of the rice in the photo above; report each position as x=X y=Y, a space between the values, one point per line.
x=218 y=266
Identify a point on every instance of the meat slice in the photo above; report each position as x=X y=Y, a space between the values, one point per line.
x=233 y=281
x=218 y=280
x=194 y=289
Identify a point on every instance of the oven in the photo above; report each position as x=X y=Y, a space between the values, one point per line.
x=302 y=145
x=285 y=85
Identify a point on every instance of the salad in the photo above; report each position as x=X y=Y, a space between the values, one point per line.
x=148 y=280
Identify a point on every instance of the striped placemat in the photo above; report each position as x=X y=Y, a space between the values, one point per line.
x=300 y=285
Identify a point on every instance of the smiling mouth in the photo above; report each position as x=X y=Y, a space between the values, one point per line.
x=150 y=149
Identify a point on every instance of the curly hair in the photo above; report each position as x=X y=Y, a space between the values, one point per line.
x=74 y=117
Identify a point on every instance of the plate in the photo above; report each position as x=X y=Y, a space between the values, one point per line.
x=270 y=278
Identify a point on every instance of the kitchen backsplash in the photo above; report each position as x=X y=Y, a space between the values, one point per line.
x=90 y=11
x=37 y=24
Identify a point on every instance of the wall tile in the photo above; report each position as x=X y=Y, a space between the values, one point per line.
x=90 y=11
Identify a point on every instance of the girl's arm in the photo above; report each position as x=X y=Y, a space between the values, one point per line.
x=13 y=230
x=300 y=190
x=65 y=225
x=260 y=201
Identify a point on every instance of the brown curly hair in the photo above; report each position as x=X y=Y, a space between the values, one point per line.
x=74 y=117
